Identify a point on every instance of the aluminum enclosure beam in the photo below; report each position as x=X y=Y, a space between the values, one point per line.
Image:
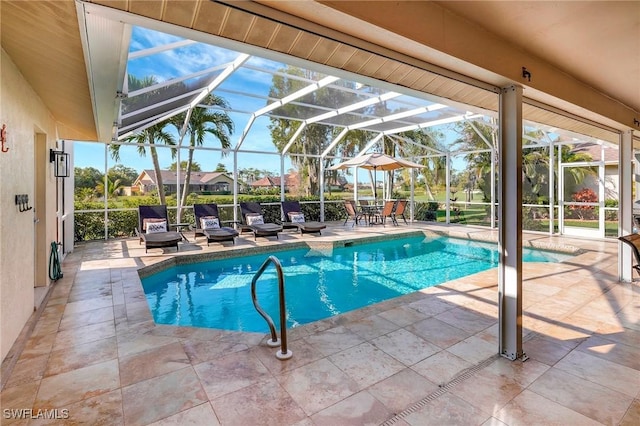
x=510 y=224
x=625 y=208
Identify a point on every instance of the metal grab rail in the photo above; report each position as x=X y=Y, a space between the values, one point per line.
x=283 y=353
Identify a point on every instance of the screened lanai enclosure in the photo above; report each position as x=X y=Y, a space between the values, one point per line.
x=204 y=118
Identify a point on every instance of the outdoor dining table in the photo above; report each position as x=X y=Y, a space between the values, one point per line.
x=371 y=212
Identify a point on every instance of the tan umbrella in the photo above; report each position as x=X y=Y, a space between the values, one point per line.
x=377 y=161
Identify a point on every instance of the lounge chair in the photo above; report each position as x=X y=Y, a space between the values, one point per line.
x=208 y=224
x=633 y=240
x=294 y=218
x=153 y=228
x=352 y=212
x=253 y=221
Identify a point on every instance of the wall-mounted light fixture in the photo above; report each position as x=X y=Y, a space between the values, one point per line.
x=60 y=161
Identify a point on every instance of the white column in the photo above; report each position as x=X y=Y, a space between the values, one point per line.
x=105 y=182
x=552 y=194
x=178 y=199
x=447 y=201
x=601 y=192
x=625 y=204
x=510 y=224
x=493 y=187
x=322 y=183
x=235 y=186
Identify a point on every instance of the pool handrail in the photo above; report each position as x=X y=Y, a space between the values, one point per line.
x=283 y=353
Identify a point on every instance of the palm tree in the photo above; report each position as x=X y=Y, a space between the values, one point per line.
x=150 y=135
x=203 y=121
x=479 y=163
x=114 y=187
x=433 y=171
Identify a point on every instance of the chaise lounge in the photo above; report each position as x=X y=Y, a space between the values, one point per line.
x=253 y=221
x=208 y=224
x=153 y=228
x=294 y=219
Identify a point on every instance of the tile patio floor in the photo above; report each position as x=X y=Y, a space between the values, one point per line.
x=428 y=358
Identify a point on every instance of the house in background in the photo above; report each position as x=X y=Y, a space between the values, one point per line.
x=607 y=156
x=291 y=182
x=201 y=182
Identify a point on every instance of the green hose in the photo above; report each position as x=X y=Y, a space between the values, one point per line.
x=55 y=271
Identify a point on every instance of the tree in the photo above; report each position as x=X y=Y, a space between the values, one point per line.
x=201 y=122
x=126 y=175
x=87 y=177
x=150 y=135
x=114 y=187
x=221 y=168
x=309 y=144
x=569 y=155
x=195 y=166
x=478 y=163
x=430 y=140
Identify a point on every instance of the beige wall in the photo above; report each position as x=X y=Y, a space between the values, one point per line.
x=25 y=116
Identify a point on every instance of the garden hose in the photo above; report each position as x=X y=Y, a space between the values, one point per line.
x=55 y=271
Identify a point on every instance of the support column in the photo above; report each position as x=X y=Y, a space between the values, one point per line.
x=447 y=202
x=510 y=224
x=322 y=183
x=552 y=183
x=235 y=185
x=625 y=207
x=493 y=187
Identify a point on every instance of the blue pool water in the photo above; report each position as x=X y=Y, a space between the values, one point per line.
x=318 y=284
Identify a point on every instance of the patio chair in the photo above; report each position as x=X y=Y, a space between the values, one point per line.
x=400 y=207
x=633 y=240
x=153 y=228
x=253 y=221
x=352 y=212
x=208 y=224
x=294 y=218
x=388 y=212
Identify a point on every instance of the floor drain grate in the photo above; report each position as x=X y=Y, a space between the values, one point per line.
x=442 y=390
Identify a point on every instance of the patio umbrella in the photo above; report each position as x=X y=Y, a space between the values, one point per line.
x=376 y=161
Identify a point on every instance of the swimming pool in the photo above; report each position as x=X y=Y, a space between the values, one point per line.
x=319 y=283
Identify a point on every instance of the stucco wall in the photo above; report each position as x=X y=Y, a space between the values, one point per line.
x=24 y=115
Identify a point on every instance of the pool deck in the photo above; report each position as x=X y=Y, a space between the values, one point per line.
x=93 y=353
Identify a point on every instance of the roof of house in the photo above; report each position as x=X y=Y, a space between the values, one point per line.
x=595 y=150
x=290 y=180
x=170 y=176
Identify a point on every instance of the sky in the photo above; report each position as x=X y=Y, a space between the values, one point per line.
x=174 y=63
x=251 y=78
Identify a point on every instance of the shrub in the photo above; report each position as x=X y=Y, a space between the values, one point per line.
x=90 y=225
x=585 y=195
x=426 y=211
